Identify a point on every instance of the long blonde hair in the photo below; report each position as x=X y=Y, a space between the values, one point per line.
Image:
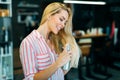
x=65 y=35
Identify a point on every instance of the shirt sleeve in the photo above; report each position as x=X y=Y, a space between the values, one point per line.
x=27 y=57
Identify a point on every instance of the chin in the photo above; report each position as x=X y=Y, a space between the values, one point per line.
x=56 y=32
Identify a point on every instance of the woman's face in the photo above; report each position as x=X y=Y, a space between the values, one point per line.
x=58 y=21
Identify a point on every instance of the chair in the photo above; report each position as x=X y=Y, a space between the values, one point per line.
x=84 y=62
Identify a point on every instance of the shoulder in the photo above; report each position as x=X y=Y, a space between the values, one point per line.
x=28 y=40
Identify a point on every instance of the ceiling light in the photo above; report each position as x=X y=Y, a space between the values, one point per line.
x=85 y=2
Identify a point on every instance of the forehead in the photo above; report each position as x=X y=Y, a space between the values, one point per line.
x=63 y=13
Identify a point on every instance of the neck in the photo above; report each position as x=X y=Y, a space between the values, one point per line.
x=45 y=32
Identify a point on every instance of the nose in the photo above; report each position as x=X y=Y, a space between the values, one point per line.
x=63 y=24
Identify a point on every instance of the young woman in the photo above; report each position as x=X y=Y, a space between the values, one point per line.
x=43 y=52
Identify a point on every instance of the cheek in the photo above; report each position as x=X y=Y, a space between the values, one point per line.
x=55 y=19
x=52 y=24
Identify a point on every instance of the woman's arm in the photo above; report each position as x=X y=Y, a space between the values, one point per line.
x=45 y=74
x=29 y=66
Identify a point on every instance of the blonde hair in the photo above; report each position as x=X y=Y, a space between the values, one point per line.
x=65 y=35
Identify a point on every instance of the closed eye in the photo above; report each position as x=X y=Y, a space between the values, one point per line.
x=61 y=19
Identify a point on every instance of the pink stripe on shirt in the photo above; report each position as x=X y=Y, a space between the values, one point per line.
x=35 y=56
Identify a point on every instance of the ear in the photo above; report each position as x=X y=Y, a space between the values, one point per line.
x=48 y=17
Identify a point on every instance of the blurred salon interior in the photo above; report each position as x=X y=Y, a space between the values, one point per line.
x=96 y=28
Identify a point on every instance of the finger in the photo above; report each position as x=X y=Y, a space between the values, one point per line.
x=70 y=52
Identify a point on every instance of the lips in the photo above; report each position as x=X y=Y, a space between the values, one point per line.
x=58 y=28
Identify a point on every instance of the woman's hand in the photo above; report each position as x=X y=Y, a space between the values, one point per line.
x=63 y=58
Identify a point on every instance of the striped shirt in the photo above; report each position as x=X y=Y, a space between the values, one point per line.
x=35 y=55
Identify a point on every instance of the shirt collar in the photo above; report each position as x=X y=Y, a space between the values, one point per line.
x=37 y=34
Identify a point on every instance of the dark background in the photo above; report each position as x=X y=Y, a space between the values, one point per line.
x=84 y=17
